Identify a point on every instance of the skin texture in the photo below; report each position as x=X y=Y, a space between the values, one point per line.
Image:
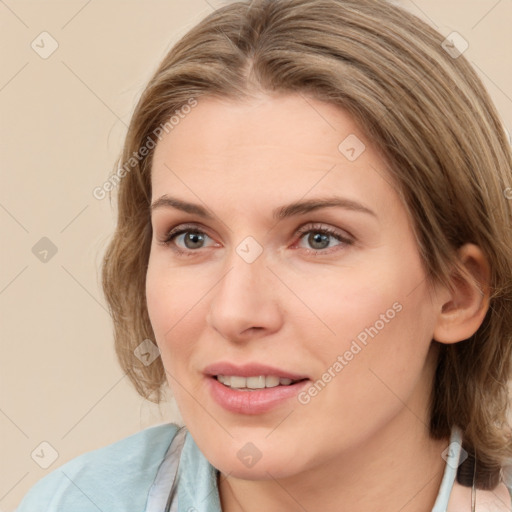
x=361 y=443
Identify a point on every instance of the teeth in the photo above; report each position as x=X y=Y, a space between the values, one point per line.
x=238 y=382
x=259 y=382
x=271 y=381
x=255 y=382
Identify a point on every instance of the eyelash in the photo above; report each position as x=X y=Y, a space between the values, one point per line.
x=315 y=228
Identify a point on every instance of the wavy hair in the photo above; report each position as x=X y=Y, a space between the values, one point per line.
x=421 y=105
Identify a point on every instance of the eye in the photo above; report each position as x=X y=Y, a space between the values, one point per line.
x=185 y=239
x=320 y=237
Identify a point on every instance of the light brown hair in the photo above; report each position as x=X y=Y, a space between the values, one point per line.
x=426 y=112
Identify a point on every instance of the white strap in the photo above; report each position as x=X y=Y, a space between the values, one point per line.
x=450 y=471
x=159 y=497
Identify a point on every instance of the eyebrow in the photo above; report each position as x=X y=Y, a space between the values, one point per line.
x=280 y=213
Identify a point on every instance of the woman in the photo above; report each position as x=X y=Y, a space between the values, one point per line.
x=314 y=227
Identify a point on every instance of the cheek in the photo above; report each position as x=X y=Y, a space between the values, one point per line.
x=157 y=297
x=359 y=303
x=378 y=318
x=171 y=292
x=390 y=367
x=173 y=308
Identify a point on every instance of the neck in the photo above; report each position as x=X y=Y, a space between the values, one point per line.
x=399 y=468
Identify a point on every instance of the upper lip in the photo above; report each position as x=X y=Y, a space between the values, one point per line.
x=250 y=370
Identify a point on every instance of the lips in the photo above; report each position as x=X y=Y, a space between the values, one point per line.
x=253 y=401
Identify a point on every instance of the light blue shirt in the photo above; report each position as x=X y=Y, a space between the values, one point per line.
x=119 y=477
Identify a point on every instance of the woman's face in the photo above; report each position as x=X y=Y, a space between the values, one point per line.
x=264 y=285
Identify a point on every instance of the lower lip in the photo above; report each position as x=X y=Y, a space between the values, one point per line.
x=253 y=402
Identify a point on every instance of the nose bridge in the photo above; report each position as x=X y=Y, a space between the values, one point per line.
x=245 y=280
x=246 y=268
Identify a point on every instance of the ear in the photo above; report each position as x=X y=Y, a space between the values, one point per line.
x=462 y=308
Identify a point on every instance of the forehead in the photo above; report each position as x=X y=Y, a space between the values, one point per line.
x=270 y=148
x=286 y=122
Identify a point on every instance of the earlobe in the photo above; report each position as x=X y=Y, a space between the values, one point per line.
x=462 y=308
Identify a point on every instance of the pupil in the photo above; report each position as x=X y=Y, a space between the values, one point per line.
x=194 y=238
x=319 y=238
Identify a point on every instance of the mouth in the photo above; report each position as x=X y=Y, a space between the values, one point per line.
x=256 y=393
x=252 y=388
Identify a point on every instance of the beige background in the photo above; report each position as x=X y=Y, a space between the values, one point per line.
x=62 y=124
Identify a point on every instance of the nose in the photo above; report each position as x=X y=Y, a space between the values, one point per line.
x=244 y=304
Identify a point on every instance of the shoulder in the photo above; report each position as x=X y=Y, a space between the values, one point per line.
x=115 y=477
x=497 y=500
